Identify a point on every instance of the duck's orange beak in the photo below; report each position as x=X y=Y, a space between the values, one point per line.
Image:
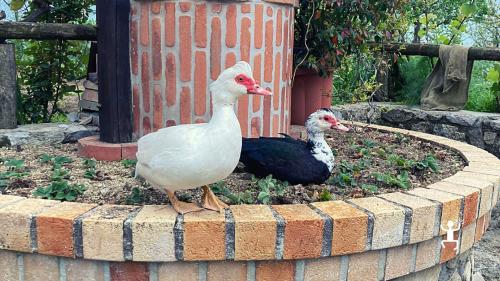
x=256 y=89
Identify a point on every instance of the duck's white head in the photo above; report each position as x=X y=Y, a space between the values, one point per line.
x=234 y=82
x=322 y=120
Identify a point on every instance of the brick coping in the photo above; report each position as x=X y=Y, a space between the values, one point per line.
x=259 y=232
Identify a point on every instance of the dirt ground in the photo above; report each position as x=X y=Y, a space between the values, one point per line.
x=487 y=250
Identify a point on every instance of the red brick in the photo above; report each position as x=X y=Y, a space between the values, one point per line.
x=285 y=51
x=276 y=124
x=185 y=105
x=259 y=15
x=255 y=127
x=129 y=150
x=231 y=26
x=133 y=11
x=275 y=270
x=283 y=99
x=185 y=48
x=185 y=6
x=146 y=127
x=170 y=123
x=200 y=120
x=155 y=7
x=257 y=75
x=243 y=114
x=277 y=80
x=267 y=115
x=134 y=47
x=129 y=271
x=290 y=40
x=215 y=49
x=170 y=24
x=480 y=223
x=447 y=253
x=200 y=27
x=91 y=147
x=245 y=39
x=158 y=108
x=144 y=24
x=303 y=231
x=156 y=49
x=204 y=236
x=246 y=8
x=268 y=55
x=226 y=270
x=171 y=89
x=279 y=27
x=289 y=66
x=230 y=59
x=136 y=108
x=55 y=228
x=145 y=81
x=269 y=11
x=216 y=7
x=200 y=83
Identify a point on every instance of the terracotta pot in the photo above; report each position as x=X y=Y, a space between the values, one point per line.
x=309 y=93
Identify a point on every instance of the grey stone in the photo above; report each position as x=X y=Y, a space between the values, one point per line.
x=475 y=136
x=421 y=127
x=75 y=136
x=448 y=131
x=398 y=115
x=467 y=274
x=4 y=141
x=489 y=137
x=37 y=134
x=456 y=277
x=462 y=119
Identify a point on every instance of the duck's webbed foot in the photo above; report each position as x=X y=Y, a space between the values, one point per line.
x=211 y=202
x=182 y=207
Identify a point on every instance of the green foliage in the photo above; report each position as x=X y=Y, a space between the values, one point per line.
x=47 y=68
x=325 y=195
x=60 y=190
x=136 y=196
x=414 y=72
x=338 y=28
x=369 y=188
x=482 y=95
x=268 y=185
x=15 y=170
x=429 y=162
x=400 y=180
x=234 y=198
x=128 y=163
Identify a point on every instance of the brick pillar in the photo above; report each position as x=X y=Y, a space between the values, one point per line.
x=178 y=48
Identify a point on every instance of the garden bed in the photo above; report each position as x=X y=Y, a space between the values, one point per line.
x=367 y=162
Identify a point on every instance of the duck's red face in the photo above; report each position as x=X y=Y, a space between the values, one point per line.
x=335 y=123
x=252 y=86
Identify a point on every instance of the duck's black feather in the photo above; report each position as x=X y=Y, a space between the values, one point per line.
x=286 y=159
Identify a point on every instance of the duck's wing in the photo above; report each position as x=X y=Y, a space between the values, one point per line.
x=168 y=140
x=284 y=159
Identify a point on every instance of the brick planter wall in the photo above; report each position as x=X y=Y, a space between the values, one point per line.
x=375 y=238
x=178 y=48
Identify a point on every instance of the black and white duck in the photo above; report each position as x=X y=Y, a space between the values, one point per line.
x=291 y=160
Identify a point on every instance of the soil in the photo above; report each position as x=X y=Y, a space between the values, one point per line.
x=359 y=155
x=487 y=250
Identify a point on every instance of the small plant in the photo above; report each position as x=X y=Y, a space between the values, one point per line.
x=400 y=180
x=266 y=186
x=369 y=187
x=128 y=163
x=234 y=198
x=430 y=162
x=15 y=170
x=325 y=195
x=90 y=172
x=57 y=161
x=136 y=196
x=60 y=190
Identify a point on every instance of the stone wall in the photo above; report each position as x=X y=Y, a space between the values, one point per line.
x=476 y=128
x=179 y=47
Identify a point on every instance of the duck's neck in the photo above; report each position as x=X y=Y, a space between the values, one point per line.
x=223 y=111
x=319 y=148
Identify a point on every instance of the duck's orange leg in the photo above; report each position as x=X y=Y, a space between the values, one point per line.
x=182 y=207
x=211 y=202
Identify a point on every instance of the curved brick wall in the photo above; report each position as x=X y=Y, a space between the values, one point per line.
x=178 y=48
x=372 y=238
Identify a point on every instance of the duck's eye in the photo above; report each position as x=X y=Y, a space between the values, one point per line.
x=240 y=79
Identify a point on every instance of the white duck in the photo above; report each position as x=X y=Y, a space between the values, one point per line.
x=189 y=156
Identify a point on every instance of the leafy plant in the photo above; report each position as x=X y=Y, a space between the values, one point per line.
x=430 y=162
x=268 y=185
x=325 y=195
x=234 y=198
x=15 y=170
x=136 y=196
x=60 y=190
x=369 y=187
x=400 y=180
x=128 y=163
